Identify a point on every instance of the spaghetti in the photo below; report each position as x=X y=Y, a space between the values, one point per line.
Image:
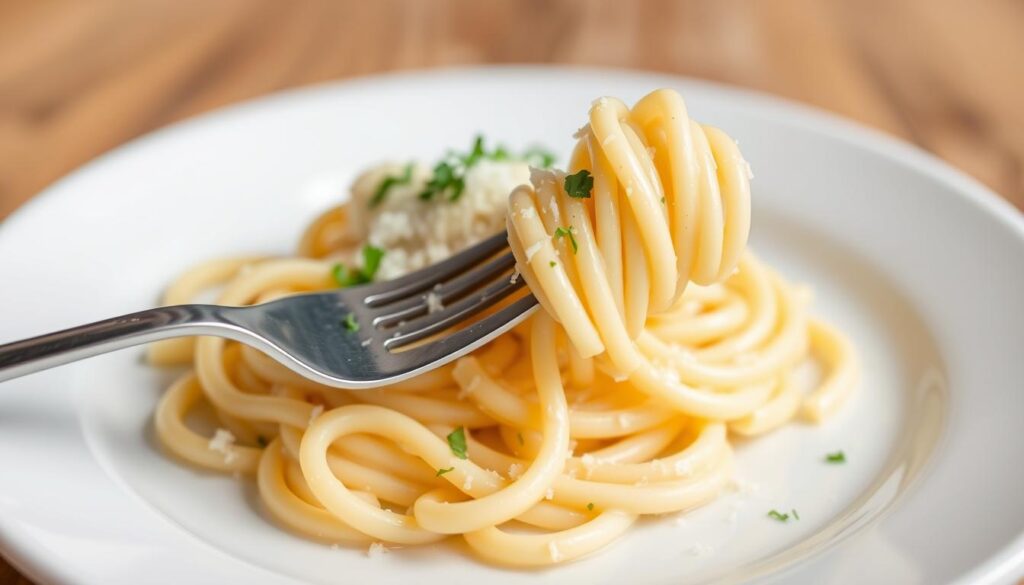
x=660 y=337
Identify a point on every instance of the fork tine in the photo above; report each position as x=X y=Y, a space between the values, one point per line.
x=466 y=340
x=447 y=293
x=377 y=295
x=459 y=311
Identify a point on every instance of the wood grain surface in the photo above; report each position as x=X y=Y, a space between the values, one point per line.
x=79 y=77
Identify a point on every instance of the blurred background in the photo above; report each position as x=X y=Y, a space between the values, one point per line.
x=79 y=77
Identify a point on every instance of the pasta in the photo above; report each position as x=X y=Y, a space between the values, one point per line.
x=660 y=337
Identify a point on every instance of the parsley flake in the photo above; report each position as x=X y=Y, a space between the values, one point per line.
x=567 y=232
x=590 y=506
x=443 y=471
x=446 y=179
x=449 y=175
x=552 y=264
x=578 y=186
x=372 y=256
x=837 y=457
x=795 y=515
x=346 y=277
x=350 y=323
x=457 y=442
x=390 y=181
x=775 y=514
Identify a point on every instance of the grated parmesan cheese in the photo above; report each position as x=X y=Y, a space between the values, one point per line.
x=549 y=494
x=745 y=488
x=589 y=462
x=376 y=549
x=434 y=303
x=468 y=483
x=223 y=442
x=700 y=550
x=416 y=233
x=515 y=470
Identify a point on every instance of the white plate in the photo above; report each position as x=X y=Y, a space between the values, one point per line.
x=922 y=266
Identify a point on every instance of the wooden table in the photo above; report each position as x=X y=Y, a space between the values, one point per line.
x=79 y=77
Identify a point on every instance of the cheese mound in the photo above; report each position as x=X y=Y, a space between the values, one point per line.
x=417 y=233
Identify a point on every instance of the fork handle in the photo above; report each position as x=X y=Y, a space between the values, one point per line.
x=30 y=355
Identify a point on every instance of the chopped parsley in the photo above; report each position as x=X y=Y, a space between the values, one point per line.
x=476 y=153
x=443 y=471
x=590 y=506
x=350 y=323
x=662 y=200
x=390 y=181
x=567 y=232
x=552 y=264
x=372 y=256
x=457 y=442
x=578 y=186
x=837 y=457
x=449 y=176
x=346 y=277
x=261 y=440
x=446 y=180
x=780 y=517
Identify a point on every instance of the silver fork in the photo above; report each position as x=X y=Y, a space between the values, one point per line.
x=308 y=333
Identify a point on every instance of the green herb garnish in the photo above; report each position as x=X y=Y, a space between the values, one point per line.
x=567 y=232
x=476 y=152
x=590 y=506
x=837 y=457
x=346 y=277
x=372 y=256
x=457 y=442
x=795 y=515
x=446 y=179
x=449 y=176
x=775 y=514
x=390 y=181
x=443 y=471
x=578 y=186
x=350 y=323
x=552 y=264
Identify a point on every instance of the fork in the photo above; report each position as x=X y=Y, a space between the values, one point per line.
x=354 y=338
